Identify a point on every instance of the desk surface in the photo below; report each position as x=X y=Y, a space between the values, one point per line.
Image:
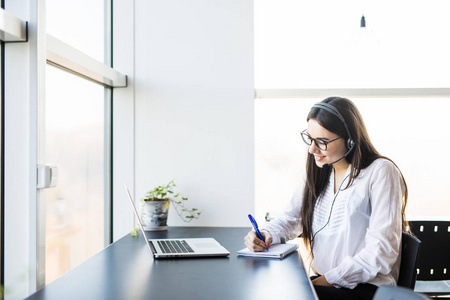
x=126 y=270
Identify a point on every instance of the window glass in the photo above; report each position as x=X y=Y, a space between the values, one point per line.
x=317 y=44
x=80 y=24
x=75 y=143
x=412 y=132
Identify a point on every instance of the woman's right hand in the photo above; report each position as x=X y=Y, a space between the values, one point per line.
x=254 y=243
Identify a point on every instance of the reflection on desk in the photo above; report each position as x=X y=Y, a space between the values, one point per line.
x=126 y=270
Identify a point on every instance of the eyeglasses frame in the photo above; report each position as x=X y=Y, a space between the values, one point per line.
x=325 y=143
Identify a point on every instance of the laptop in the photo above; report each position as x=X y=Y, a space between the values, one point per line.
x=179 y=247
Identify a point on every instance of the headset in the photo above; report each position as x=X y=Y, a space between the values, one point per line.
x=350 y=144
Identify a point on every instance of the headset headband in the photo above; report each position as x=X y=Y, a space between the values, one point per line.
x=333 y=110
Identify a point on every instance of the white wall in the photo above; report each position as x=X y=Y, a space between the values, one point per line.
x=123 y=117
x=194 y=105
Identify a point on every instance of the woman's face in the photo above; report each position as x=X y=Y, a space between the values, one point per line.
x=335 y=150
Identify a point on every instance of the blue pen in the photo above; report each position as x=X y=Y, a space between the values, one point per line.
x=255 y=225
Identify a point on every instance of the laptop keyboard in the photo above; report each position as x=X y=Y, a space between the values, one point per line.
x=175 y=246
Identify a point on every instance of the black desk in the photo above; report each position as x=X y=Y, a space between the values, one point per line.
x=126 y=270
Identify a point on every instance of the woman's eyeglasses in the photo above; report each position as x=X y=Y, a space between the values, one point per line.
x=320 y=143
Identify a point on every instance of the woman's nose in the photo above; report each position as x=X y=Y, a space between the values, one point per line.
x=313 y=148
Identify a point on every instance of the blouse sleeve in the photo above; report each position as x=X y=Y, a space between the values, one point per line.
x=287 y=225
x=383 y=236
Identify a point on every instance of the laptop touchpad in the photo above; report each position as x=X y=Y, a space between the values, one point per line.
x=203 y=245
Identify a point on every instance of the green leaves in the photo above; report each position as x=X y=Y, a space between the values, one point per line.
x=163 y=192
x=135 y=231
x=160 y=192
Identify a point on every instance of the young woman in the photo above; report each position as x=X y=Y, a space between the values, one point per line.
x=349 y=208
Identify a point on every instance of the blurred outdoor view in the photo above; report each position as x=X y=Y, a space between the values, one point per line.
x=74 y=135
x=75 y=144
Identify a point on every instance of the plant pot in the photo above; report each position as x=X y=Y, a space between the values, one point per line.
x=154 y=215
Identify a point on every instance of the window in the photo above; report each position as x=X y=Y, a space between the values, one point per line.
x=38 y=130
x=81 y=24
x=75 y=131
x=393 y=70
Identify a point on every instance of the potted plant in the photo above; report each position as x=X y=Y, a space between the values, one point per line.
x=155 y=207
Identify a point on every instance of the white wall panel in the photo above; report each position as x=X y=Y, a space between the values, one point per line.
x=194 y=105
x=123 y=117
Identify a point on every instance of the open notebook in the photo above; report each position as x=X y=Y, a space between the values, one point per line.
x=275 y=251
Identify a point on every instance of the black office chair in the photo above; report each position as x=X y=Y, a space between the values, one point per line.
x=385 y=292
x=433 y=274
x=408 y=265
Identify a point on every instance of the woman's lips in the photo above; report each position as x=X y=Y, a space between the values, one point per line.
x=319 y=158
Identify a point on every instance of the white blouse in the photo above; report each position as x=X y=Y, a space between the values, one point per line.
x=362 y=241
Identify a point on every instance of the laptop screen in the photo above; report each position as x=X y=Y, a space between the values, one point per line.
x=139 y=220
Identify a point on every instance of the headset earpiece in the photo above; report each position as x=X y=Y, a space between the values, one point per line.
x=350 y=143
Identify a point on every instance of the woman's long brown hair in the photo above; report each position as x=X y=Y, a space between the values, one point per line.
x=362 y=155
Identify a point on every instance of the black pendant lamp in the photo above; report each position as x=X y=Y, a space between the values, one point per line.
x=363 y=22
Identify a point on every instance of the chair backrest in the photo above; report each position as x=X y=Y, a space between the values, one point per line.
x=385 y=292
x=408 y=264
x=434 y=261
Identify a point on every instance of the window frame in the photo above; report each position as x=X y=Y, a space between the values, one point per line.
x=12 y=29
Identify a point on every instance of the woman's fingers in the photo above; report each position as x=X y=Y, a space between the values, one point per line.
x=267 y=237
x=254 y=243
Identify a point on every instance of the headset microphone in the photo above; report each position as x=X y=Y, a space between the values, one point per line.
x=345 y=155
x=333 y=110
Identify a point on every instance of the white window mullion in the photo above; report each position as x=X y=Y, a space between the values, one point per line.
x=12 y=29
